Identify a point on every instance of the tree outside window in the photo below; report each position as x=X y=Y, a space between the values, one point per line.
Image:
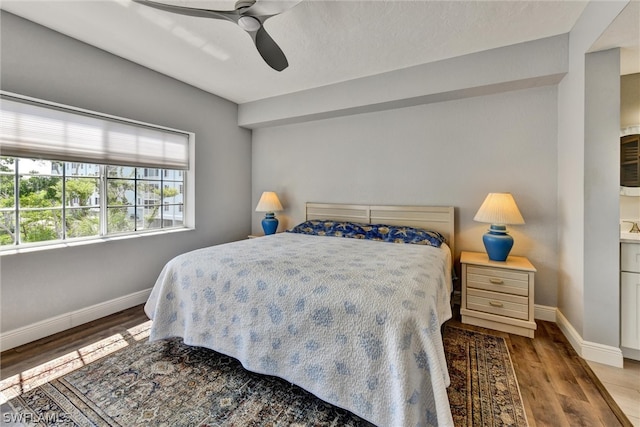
x=44 y=200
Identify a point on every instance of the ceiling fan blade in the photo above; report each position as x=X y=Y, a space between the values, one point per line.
x=250 y=17
x=189 y=11
x=270 y=51
x=269 y=7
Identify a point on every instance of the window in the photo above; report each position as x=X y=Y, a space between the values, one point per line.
x=44 y=200
x=69 y=188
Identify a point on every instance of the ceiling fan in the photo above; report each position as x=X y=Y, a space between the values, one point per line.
x=250 y=15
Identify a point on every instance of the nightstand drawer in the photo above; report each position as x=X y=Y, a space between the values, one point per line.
x=501 y=304
x=492 y=279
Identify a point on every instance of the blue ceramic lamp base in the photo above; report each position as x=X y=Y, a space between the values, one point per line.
x=498 y=243
x=269 y=223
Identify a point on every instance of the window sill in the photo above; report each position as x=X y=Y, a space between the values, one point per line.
x=90 y=241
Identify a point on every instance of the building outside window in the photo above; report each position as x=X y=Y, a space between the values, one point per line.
x=44 y=200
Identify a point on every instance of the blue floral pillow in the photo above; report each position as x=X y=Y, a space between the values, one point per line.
x=402 y=234
x=381 y=232
x=330 y=228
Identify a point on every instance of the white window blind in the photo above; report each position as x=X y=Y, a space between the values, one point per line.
x=35 y=129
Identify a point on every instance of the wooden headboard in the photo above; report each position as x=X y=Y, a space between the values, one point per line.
x=436 y=218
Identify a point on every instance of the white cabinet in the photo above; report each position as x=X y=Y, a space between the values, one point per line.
x=630 y=300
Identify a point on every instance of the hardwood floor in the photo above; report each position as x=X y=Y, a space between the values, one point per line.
x=20 y=359
x=623 y=384
x=558 y=387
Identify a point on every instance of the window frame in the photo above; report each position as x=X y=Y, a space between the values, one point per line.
x=188 y=194
x=103 y=205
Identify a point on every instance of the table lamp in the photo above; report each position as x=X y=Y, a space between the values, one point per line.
x=269 y=203
x=498 y=209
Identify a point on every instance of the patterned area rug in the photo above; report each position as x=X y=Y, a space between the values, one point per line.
x=170 y=384
x=484 y=389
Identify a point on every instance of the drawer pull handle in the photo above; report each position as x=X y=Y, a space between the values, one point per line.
x=495 y=304
x=496 y=281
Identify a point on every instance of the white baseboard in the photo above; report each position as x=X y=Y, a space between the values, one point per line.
x=544 y=312
x=592 y=351
x=44 y=328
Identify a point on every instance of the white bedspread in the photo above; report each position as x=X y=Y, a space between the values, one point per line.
x=355 y=322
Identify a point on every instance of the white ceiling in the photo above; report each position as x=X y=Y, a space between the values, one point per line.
x=325 y=41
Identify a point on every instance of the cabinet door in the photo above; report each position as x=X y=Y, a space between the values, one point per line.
x=629 y=307
x=630 y=257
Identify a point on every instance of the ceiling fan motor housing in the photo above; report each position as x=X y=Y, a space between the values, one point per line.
x=249 y=23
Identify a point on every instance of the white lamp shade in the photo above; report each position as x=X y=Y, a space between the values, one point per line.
x=499 y=208
x=269 y=202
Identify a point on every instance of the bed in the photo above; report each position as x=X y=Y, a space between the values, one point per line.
x=355 y=321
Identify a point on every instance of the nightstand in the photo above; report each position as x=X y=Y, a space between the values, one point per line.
x=498 y=295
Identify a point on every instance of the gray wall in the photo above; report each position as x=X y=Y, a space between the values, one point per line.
x=602 y=199
x=443 y=133
x=44 y=64
x=446 y=153
x=578 y=208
